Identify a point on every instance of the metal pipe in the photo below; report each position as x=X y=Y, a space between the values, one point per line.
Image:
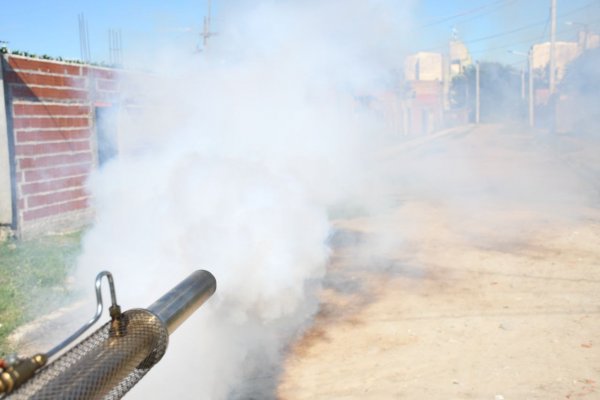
x=181 y=301
x=102 y=364
x=107 y=364
x=96 y=317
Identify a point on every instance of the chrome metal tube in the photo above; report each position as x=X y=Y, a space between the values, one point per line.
x=176 y=306
x=101 y=366
x=106 y=365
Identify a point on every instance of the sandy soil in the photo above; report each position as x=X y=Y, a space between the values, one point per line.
x=481 y=280
x=487 y=287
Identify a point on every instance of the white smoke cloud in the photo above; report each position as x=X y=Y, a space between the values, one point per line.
x=231 y=164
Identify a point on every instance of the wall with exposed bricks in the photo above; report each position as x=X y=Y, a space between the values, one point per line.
x=50 y=118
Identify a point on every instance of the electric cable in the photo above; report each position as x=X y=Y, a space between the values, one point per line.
x=519 y=29
x=466 y=12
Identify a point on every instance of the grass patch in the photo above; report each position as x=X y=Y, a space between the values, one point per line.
x=33 y=279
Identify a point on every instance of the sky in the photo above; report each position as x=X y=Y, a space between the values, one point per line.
x=490 y=28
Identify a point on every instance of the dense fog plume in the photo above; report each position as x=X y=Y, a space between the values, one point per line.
x=230 y=160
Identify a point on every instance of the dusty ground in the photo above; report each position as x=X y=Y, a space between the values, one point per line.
x=482 y=282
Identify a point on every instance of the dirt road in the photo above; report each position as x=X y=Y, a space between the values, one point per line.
x=482 y=282
x=479 y=280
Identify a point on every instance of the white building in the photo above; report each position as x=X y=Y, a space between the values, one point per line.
x=424 y=66
x=459 y=57
x=565 y=53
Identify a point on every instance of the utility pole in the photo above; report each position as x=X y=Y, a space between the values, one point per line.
x=477 y=96
x=206 y=33
x=523 y=83
x=529 y=56
x=552 y=46
x=531 y=116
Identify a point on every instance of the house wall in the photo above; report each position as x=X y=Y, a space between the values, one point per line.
x=50 y=119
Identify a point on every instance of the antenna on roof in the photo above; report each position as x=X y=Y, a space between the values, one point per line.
x=454 y=33
x=206 y=33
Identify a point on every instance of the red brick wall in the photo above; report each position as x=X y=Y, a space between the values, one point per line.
x=51 y=113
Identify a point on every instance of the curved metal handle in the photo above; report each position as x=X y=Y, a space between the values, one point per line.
x=96 y=317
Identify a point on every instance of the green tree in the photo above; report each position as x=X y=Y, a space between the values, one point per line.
x=500 y=92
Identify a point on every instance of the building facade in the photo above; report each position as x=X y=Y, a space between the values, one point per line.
x=424 y=66
x=566 y=52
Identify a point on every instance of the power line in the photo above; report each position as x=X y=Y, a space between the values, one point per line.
x=520 y=29
x=463 y=13
x=523 y=28
x=545 y=28
x=531 y=39
x=493 y=36
x=486 y=13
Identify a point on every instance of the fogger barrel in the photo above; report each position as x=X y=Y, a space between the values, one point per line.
x=108 y=363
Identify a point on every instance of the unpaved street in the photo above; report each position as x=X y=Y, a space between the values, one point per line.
x=482 y=282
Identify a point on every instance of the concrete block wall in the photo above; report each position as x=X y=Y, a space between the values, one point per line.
x=50 y=118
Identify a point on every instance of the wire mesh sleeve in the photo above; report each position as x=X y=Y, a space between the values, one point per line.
x=103 y=366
